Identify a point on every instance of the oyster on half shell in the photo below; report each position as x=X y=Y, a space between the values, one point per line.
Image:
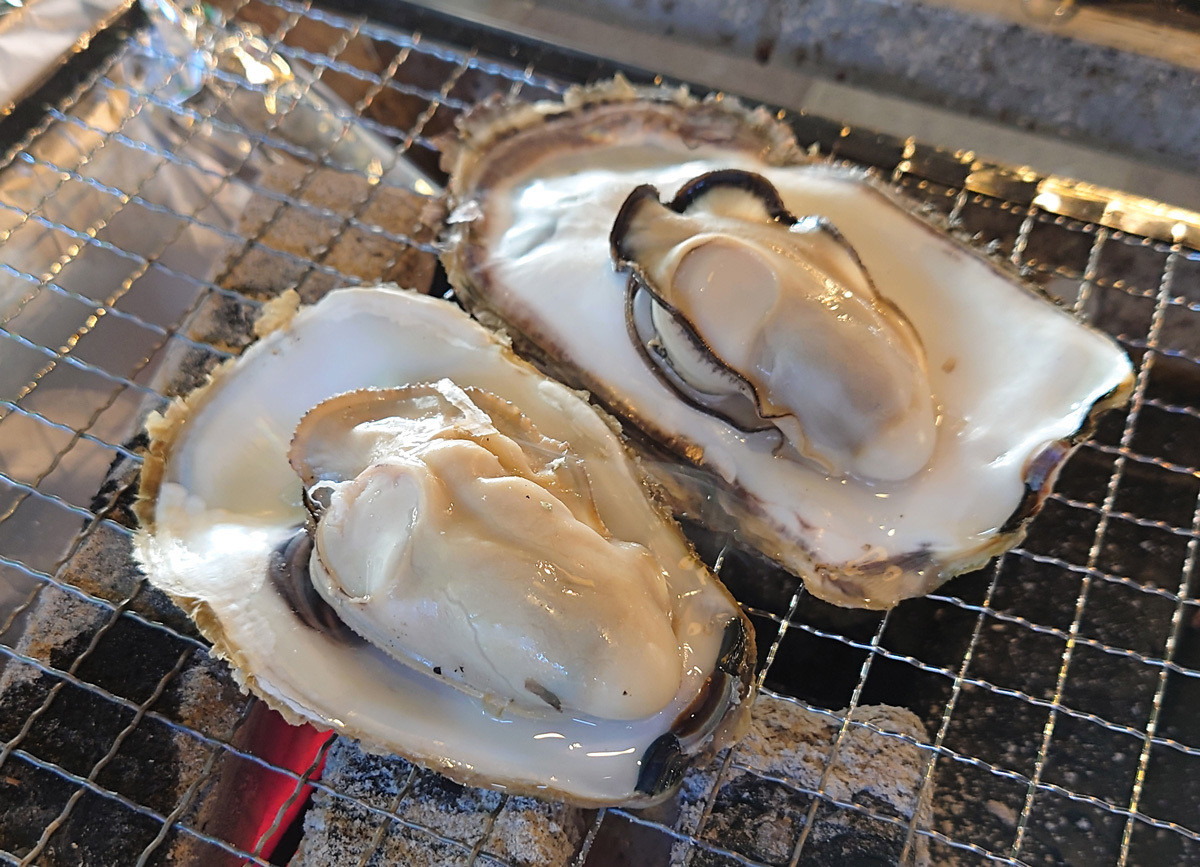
x=864 y=399
x=393 y=527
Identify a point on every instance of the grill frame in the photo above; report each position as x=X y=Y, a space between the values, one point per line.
x=1004 y=209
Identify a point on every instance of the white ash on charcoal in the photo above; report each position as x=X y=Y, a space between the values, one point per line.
x=763 y=799
x=385 y=810
x=76 y=725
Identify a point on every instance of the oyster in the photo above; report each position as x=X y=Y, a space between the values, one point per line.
x=869 y=403
x=772 y=321
x=394 y=528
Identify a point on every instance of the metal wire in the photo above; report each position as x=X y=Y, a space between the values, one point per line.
x=951 y=691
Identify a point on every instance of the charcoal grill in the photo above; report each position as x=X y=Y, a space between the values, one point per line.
x=1059 y=686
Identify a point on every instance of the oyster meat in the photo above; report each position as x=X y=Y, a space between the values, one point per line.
x=772 y=322
x=394 y=528
x=866 y=400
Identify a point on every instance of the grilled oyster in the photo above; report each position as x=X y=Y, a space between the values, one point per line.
x=771 y=321
x=874 y=405
x=394 y=528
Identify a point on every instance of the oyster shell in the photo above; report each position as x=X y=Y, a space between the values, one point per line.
x=985 y=383
x=394 y=528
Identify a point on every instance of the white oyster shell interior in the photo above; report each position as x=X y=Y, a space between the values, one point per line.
x=229 y=502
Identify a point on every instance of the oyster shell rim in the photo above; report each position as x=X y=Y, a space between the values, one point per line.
x=460 y=252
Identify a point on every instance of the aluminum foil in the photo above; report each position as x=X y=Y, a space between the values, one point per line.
x=131 y=183
x=57 y=28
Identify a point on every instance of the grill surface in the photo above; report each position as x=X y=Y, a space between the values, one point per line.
x=1059 y=686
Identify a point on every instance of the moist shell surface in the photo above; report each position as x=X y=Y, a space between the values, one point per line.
x=221 y=505
x=1014 y=378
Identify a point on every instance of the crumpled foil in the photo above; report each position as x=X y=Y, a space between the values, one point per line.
x=179 y=89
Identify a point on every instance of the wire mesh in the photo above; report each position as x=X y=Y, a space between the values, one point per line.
x=1057 y=687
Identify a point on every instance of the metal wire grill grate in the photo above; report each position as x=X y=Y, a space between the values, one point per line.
x=1058 y=687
